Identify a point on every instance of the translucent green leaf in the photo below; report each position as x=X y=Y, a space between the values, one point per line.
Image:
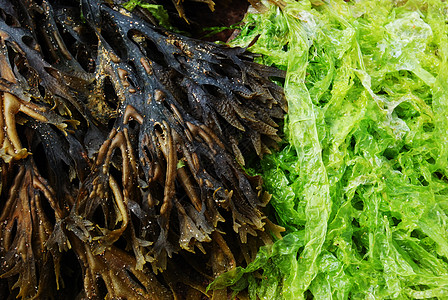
x=361 y=184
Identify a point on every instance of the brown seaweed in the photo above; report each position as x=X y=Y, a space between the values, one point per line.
x=122 y=146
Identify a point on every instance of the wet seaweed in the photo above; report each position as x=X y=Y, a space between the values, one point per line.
x=122 y=154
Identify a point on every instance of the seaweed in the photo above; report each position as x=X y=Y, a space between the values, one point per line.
x=361 y=181
x=122 y=154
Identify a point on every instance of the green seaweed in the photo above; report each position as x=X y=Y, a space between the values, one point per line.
x=361 y=185
x=156 y=10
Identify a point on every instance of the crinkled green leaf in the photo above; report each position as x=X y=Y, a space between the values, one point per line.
x=157 y=11
x=361 y=184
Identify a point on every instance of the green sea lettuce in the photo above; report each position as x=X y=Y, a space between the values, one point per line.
x=361 y=183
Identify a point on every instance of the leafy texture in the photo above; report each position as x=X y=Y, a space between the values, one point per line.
x=362 y=185
x=157 y=11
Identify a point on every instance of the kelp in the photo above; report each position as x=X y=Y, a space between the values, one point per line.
x=122 y=154
x=361 y=184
